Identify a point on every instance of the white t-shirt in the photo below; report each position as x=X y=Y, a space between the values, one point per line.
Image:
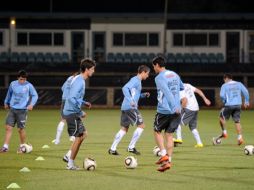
x=189 y=93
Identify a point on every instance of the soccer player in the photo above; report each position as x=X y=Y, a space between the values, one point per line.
x=190 y=113
x=21 y=98
x=130 y=113
x=168 y=116
x=231 y=95
x=72 y=109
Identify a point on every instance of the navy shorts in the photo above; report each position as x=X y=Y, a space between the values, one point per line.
x=166 y=122
x=233 y=111
x=131 y=117
x=75 y=125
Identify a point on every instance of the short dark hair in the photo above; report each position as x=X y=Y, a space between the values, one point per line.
x=144 y=68
x=23 y=74
x=227 y=75
x=86 y=63
x=160 y=60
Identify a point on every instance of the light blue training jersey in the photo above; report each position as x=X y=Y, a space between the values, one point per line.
x=74 y=99
x=132 y=93
x=67 y=85
x=168 y=85
x=19 y=96
x=231 y=92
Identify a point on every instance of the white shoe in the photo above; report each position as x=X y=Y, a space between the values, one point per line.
x=66 y=158
x=72 y=167
x=55 y=141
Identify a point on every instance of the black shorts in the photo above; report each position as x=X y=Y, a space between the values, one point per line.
x=166 y=122
x=75 y=125
x=131 y=117
x=189 y=118
x=233 y=111
x=16 y=116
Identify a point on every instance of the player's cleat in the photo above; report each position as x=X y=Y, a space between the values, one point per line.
x=199 y=145
x=224 y=135
x=162 y=159
x=179 y=141
x=216 y=140
x=240 y=141
x=72 y=167
x=19 y=151
x=4 y=150
x=134 y=151
x=164 y=167
x=66 y=158
x=55 y=142
x=113 y=152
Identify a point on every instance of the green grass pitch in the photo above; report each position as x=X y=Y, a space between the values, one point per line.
x=212 y=167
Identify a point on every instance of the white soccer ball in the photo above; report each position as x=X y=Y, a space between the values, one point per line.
x=130 y=162
x=26 y=148
x=156 y=151
x=249 y=150
x=216 y=141
x=89 y=164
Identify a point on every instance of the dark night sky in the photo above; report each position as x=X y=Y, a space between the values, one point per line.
x=141 y=6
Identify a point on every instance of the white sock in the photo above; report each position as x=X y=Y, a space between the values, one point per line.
x=179 y=132
x=224 y=131
x=68 y=154
x=136 y=134
x=59 y=131
x=196 y=136
x=239 y=137
x=70 y=162
x=163 y=152
x=6 y=146
x=117 y=139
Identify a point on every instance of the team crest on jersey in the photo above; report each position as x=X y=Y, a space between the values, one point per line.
x=169 y=74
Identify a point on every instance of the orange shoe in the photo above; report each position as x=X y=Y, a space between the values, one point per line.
x=224 y=135
x=164 y=167
x=240 y=141
x=162 y=159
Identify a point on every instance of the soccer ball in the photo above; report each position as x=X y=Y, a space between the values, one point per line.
x=249 y=149
x=89 y=164
x=26 y=148
x=216 y=141
x=130 y=162
x=156 y=151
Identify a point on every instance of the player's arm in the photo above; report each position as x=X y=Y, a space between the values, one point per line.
x=34 y=97
x=183 y=99
x=162 y=85
x=73 y=94
x=202 y=95
x=8 y=97
x=246 y=95
x=127 y=92
x=223 y=94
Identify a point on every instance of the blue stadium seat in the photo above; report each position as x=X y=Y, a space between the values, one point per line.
x=220 y=58
x=203 y=58
x=56 y=58
x=65 y=57
x=212 y=58
x=187 y=58
x=127 y=58
x=23 y=57
x=179 y=58
x=195 y=58
x=151 y=56
x=143 y=58
x=39 y=58
x=135 y=58
x=111 y=58
x=4 y=57
x=48 y=58
x=14 y=57
x=171 y=58
x=31 y=57
x=119 y=58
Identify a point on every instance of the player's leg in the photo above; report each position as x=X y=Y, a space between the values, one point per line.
x=137 y=133
x=9 y=124
x=193 y=128
x=59 y=131
x=21 y=123
x=224 y=115
x=236 y=116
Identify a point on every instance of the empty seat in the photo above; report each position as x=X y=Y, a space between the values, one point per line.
x=203 y=58
x=127 y=58
x=56 y=58
x=39 y=57
x=195 y=58
x=179 y=58
x=187 y=58
x=143 y=58
x=151 y=56
x=171 y=58
x=220 y=58
x=212 y=58
x=23 y=57
x=111 y=58
x=48 y=57
x=135 y=58
x=4 y=57
x=14 y=57
x=65 y=57
x=31 y=57
x=119 y=58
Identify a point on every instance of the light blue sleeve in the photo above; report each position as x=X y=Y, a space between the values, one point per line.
x=126 y=90
x=33 y=94
x=8 y=95
x=162 y=85
x=73 y=94
x=64 y=86
x=245 y=93
x=223 y=94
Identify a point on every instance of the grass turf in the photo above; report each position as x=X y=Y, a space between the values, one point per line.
x=224 y=166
